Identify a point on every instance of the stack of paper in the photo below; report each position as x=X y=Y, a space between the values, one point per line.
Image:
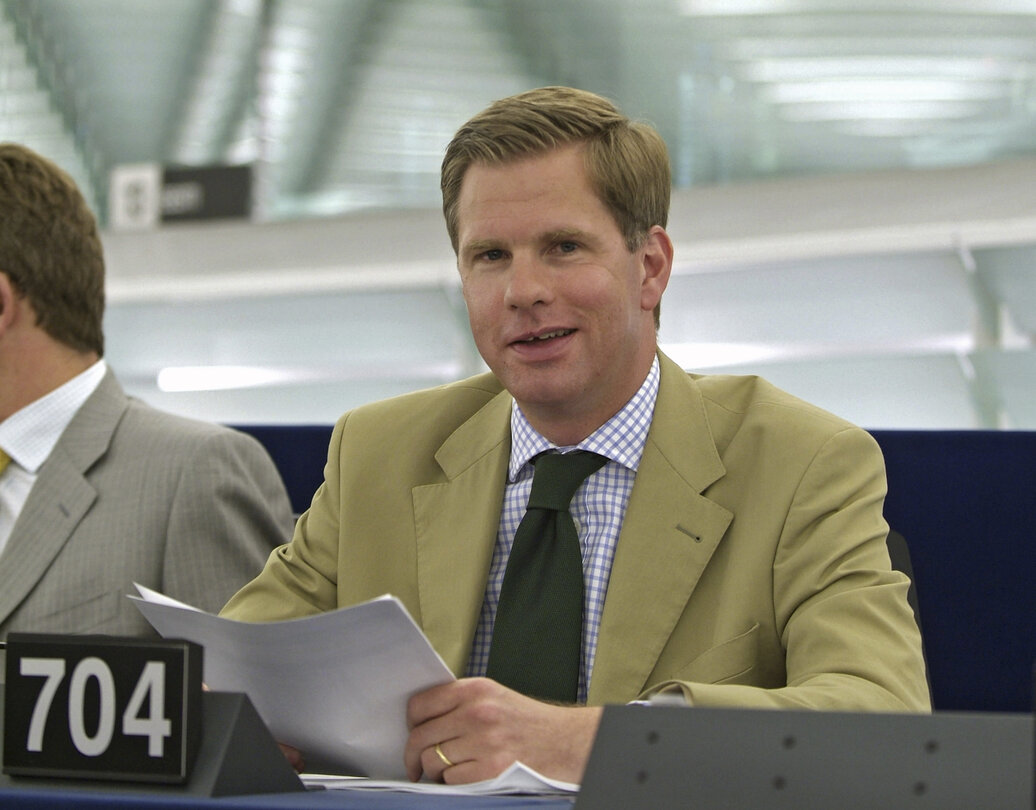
x=334 y=685
x=518 y=779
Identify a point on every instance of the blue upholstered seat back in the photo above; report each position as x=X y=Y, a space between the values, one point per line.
x=963 y=500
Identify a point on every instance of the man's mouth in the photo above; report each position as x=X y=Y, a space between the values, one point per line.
x=546 y=336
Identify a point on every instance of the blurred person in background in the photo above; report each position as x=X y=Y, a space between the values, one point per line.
x=98 y=490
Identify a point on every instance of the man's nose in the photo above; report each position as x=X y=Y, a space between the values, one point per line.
x=530 y=283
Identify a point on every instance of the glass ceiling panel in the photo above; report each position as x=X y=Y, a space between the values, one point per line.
x=346 y=104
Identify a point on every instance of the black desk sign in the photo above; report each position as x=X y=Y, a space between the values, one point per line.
x=101 y=707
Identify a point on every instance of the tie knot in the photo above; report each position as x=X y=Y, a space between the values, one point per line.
x=4 y=460
x=558 y=476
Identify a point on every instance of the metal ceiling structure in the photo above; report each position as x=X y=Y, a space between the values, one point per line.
x=346 y=104
x=853 y=209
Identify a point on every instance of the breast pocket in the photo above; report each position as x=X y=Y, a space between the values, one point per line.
x=86 y=614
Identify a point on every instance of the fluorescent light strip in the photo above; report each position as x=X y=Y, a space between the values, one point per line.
x=178 y=379
x=882 y=90
x=220 y=378
x=905 y=110
x=741 y=8
x=887 y=128
x=1016 y=48
x=977 y=68
x=705 y=355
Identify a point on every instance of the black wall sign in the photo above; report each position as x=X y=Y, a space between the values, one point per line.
x=206 y=192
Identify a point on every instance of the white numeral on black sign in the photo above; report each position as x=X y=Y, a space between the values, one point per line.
x=53 y=669
x=150 y=687
x=98 y=670
x=155 y=726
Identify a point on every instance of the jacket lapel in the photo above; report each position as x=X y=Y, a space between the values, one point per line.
x=456 y=524
x=668 y=536
x=61 y=495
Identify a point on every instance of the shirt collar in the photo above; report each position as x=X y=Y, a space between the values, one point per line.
x=620 y=439
x=29 y=435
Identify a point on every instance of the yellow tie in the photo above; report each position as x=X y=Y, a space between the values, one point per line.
x=4 y=460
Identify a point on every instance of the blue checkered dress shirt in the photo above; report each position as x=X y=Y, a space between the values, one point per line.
x=597 y=509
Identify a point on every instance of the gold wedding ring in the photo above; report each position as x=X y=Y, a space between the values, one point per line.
x=445 y=759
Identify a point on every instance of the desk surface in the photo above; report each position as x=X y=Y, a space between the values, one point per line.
x=313 y=800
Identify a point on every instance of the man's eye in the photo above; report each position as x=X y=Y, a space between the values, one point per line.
x=567 y=247
x=494 y=255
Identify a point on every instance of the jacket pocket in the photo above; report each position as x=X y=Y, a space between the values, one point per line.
x=85 y=614
x=728 y=662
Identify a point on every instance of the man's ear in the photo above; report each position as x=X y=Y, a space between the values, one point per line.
x=657 y=265
x=6 y=300
x=10 y=302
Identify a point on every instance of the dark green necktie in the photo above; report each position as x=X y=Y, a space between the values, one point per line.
x=539 y=621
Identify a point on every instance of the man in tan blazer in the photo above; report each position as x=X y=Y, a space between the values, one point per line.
x=98 y=490
x=733 y=544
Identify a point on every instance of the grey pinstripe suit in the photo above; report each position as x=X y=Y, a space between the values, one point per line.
x=133 y=494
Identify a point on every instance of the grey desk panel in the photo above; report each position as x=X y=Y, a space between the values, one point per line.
x=661 y=757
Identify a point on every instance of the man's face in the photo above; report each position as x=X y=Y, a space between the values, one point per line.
x=560 y=310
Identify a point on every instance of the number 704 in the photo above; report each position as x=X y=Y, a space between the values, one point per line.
x=150 y=687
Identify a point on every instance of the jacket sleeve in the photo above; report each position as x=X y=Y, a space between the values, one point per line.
x=849 y=636
x=228 y=511
x=300 y=577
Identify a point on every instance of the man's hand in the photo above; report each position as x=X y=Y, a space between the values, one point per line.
x=482 y=727
x=294 y=757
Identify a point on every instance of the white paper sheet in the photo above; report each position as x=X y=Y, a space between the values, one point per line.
x=519 y=779
x=334 y=685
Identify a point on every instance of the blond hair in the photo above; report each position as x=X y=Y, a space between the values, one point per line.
x=626 y=161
